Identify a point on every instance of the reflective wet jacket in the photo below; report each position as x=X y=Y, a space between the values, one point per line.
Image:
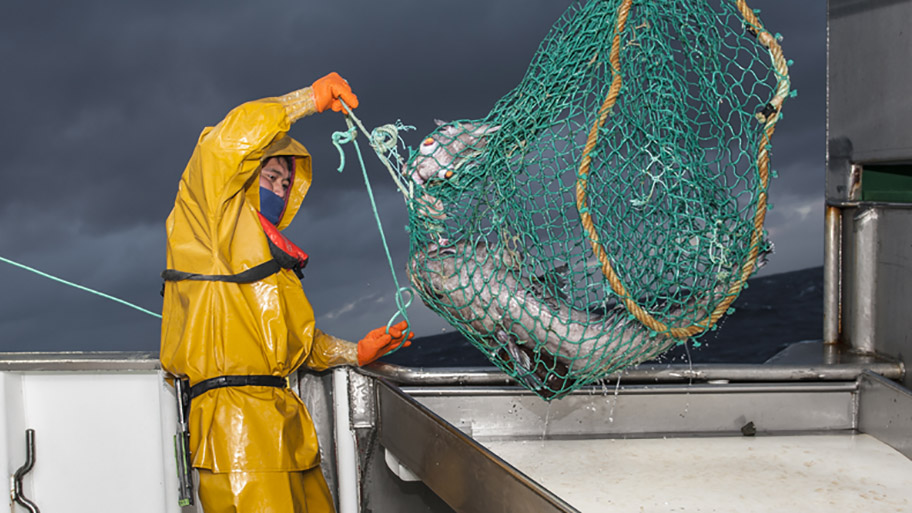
x=218 y=328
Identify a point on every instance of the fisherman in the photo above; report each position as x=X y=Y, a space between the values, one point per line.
x=236 y=321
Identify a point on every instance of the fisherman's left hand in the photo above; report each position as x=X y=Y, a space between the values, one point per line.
x=379 y=341
x=329 y=90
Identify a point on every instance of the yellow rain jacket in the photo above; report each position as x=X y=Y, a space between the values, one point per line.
x=217 y=328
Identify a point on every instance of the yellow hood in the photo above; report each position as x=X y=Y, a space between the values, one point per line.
x=300 y=180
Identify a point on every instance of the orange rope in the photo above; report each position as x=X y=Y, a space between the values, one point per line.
x=767 y=40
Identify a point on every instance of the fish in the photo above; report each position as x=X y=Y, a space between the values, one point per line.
x=442 y=154
x=547 y=344
x=524 y=322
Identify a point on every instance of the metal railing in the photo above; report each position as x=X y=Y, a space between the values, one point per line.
x=653 y=373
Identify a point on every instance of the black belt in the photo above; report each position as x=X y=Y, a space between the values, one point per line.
x=249 y=276
x=237 y=381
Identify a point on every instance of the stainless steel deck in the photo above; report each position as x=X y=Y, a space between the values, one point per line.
x=448 y=435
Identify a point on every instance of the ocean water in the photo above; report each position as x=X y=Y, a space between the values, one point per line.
x=772 y=313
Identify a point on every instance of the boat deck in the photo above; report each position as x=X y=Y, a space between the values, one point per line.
x=797 y=445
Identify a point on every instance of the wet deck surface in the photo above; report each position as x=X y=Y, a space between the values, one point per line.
x=810 y=473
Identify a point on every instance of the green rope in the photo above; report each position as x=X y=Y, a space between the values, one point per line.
x=384 y=141
x=80 y=287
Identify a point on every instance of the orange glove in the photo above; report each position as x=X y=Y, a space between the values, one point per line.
x=378 y=342
x=329 y=89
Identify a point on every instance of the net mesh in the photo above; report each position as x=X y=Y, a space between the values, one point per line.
x=612 y=204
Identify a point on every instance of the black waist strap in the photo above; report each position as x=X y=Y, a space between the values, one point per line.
x=249 y=276
x=236 y=381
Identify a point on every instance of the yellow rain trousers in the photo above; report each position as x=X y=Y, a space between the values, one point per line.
x=256 y=447
x=301 y=492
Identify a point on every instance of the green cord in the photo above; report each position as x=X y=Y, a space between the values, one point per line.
x=80 y=287
x=382 y=140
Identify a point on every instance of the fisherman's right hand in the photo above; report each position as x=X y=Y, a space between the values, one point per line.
x=329 y=90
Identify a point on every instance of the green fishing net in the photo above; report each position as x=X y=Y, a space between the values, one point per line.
x=612 y=204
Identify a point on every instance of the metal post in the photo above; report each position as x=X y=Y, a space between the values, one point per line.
x=346 y=451
x=832 y=273
x=862 y=331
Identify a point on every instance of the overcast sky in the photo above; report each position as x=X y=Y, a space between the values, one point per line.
x=102 y=102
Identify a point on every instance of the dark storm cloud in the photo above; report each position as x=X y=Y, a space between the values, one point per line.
x=799 y=143
x=101 y=104
x=120 y=91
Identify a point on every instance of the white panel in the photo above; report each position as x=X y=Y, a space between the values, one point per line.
x=12 y=429
x=98 y=442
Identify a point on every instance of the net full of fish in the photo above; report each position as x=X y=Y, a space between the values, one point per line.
x=497 y=243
